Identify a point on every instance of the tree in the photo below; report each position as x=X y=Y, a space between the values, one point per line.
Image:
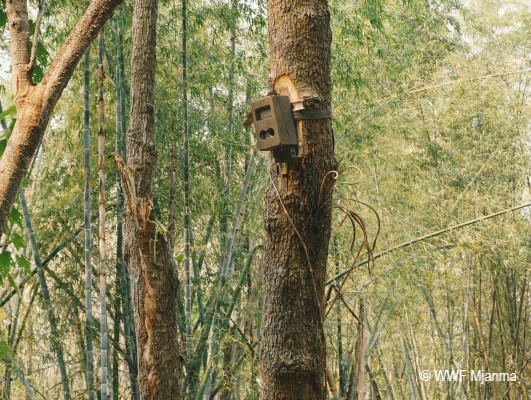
x=297 y=209
x=148 y=252
x=35 y=103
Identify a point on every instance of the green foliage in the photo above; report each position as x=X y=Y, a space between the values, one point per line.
x=23 y=264
x=16 y=217
x=5 y=263
x=436 y=141
x=5 y=351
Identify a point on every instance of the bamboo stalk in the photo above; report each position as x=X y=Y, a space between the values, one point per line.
x=202 y=393
x=101 y=229
x=186 y=184
x=117 y=303
x=389 y=387
x=88 y=231
x=410 y=373
x=125 y=286
x=120 y=272
x=10 y=341
x=425 y=87
x=224 y=274
x=230 y=108
x=47 y=303
x=360 y=386
x=414 y=349
x=18 y=369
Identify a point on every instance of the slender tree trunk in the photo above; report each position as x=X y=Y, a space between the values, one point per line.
x=101 y=229
x=297 y=209
x=88 y=231
x=147 y=251
x=35 y=103
x=47 y=302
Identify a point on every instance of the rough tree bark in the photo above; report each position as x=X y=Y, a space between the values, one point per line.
x=297 y=208
x=35 y=103
x=147 y=250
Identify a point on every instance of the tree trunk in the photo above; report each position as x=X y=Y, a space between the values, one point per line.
x=297 y=212
x=147 y=251
x=36 y=103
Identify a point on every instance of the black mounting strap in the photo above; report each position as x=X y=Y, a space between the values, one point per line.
x=312 y=114
x=302 y=114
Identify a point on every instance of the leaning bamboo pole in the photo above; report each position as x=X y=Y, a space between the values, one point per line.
x=422 y=238
x=224 y=274
x=47 y=303
x=45 y=262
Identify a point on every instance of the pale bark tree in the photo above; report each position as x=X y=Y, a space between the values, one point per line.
x=147 y=250
x=35 y=103
x=297 y=209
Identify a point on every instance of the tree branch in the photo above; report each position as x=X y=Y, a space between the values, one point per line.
x=17 y=15
x=63 y=65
